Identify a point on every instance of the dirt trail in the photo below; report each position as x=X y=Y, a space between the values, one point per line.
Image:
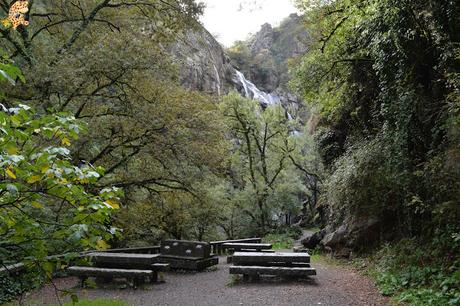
x=335 y=286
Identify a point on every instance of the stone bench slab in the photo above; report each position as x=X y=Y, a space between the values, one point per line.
x=124 y=260
x=187 y=264
x=136 y=276
x=275 y=271
x=251 y=258
x=251 y=246
x=160 y=267
x=104 y=272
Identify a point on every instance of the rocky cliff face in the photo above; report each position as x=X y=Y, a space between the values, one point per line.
x=203 y=64
x=265 y=59
x=272 y=48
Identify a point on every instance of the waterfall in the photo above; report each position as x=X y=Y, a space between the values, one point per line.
x=252 y=92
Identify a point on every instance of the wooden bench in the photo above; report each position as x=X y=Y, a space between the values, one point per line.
x=187 y=255
x=246 y=247
x=274 y=264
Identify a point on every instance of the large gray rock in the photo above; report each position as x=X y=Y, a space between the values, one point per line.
x=263 y=40
x=312 y=241
x=203 y=64
x=352 y=235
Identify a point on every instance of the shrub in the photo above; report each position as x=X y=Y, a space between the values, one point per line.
x=279 y=241
x=420 y=273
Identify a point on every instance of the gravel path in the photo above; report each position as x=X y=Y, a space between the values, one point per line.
x=333 y=286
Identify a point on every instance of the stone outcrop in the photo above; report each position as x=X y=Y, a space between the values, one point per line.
x=263 y=40
x=342 y=240
x=265 y=58
x=203 y=64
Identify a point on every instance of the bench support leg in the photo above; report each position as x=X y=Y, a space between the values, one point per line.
x=247 y=277
x=154 y=277
x=83 y=281
x=136 y=282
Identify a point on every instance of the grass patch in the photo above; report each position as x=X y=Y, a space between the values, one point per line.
x=279 y=241
x=234 y=280
x=318 y=256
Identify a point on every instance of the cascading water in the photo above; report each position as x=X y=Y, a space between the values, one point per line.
x=252 y=92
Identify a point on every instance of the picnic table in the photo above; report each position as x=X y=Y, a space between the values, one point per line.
x=277 y=264
x=124 y=260
x=134 y=267
x=246 y=247
x=187 y=255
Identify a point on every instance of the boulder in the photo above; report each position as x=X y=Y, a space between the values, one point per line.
x=336 y=238
x=352 y=235
x=312 y=241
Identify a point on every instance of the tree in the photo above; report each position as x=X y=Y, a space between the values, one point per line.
x=108 y=64
x=261 y=163
x=381 y=76
x=48 y=205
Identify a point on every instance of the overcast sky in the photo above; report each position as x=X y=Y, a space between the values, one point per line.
x=231 y=20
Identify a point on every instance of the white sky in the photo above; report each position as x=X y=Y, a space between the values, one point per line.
x=232 y=20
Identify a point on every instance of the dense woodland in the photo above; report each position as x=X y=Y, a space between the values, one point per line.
x=101 y=145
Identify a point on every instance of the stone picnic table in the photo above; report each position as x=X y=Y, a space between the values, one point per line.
x=278 y=263
x=247 y=246
x=135 y=267
x=124 y=260
x=251 y=258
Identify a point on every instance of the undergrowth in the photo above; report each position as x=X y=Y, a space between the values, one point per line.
x=13 y=286
x=279 y=241
x=419 y=273
x=283 y=237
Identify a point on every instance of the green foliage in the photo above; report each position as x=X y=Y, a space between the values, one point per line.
x=283 y=237
x=173 y=214
x=266 y=184
x=241 y=56
x=108 y=64
x=420 y=273
x=292 y=231
x=279 y=241
x=12 y=286
x=45 y=206
x=9 y=289
x=384 y=78
x=8 y=71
